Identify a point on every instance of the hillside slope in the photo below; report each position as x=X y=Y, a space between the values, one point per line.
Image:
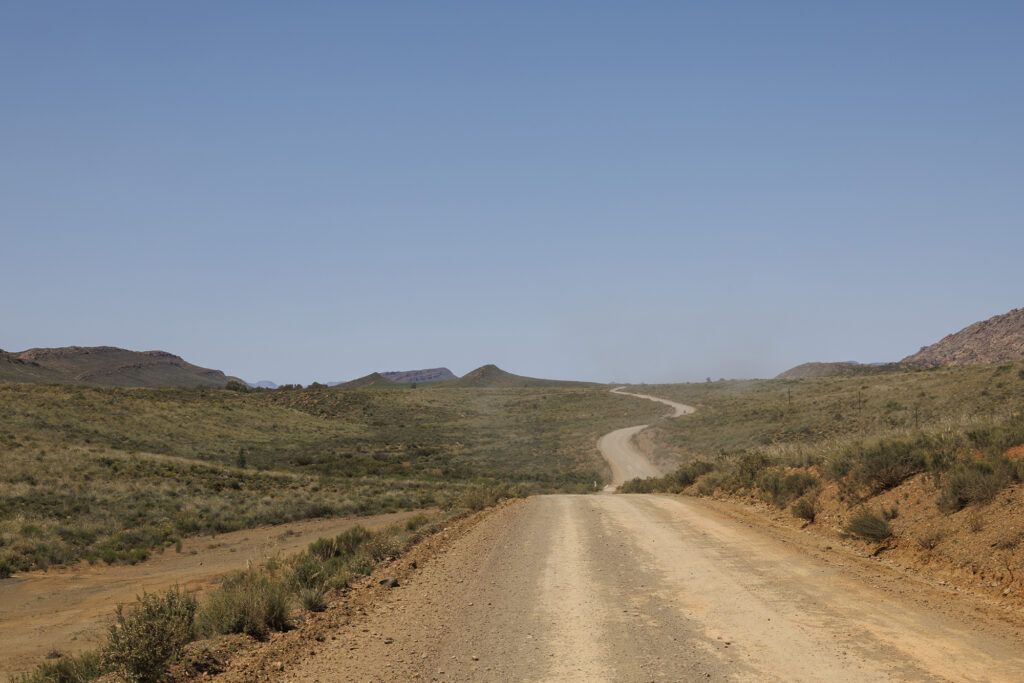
x=493 y=376
x=106 y=365
x=374 y=380
x=840 y=369
x=998 y=339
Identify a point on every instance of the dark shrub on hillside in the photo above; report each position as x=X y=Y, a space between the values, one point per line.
x=869 y=525
x=973 y=482
x=805 y=508
x=779 y=489
x=889 y=462
x=749 y=467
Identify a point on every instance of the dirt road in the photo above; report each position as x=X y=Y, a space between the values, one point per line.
x=656 y=588
x=66 y=609
x=622 y=455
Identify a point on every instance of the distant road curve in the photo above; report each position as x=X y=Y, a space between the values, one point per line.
x=617 y=447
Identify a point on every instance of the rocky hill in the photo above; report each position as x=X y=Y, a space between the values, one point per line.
x=428 y=375
x=998 y=339
x=106 y=365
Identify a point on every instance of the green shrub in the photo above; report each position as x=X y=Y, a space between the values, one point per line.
x=143 y=642
x=78 y=668
x=869 y=525
x=972 y=482
x=249 y=602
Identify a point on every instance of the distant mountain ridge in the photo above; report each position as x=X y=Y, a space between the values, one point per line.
x=106 y=365
x=484 y=376
x=998 y=339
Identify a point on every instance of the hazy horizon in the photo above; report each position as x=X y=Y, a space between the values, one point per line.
x=608 y=192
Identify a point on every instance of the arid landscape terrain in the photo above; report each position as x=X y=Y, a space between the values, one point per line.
x=580 y=531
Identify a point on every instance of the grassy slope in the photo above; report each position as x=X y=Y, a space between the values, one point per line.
x=932 y=460
x=70 y=485
x=815 y=413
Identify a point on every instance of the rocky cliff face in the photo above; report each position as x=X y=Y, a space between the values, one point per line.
x=998 y=339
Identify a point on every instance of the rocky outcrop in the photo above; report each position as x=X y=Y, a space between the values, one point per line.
x=998 y=339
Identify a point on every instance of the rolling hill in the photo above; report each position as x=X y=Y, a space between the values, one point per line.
x=493 y=376
x=374 y=380
x=106 y=365
x=840 y=369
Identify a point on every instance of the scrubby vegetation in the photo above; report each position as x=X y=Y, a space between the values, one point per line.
x=150 y=636
x=778 y=439
x=111 y=474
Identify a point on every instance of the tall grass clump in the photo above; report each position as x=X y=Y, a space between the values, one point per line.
x=251 y=602
x=143 y=642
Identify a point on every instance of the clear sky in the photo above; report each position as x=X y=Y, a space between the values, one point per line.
x=641 y=191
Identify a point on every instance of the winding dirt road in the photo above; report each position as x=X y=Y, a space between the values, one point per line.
x=625 y=460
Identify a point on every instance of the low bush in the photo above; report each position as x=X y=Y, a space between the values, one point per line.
x=805 y=508
x=869 y=525
x=779 y=489
x=973 y=482
x=143 y=642
x=882 y=465
x=929 y=540
x=250 y=602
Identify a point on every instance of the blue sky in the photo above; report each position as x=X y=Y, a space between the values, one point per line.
x=655 y=191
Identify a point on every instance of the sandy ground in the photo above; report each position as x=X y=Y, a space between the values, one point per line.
x=66 y=609
x=619 y=449
x=650 y=588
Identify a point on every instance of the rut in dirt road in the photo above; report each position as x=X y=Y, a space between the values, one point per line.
x=652 y=588
x=617 y=447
